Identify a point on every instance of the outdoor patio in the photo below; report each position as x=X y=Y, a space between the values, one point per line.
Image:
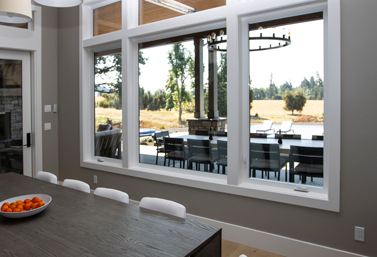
x=148 y=156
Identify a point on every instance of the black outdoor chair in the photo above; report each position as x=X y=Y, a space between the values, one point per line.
x=310 y=162
x=222 y=161
x=220 y=134
x=266 y=158
x=108 y=143
x=288 y=136
x=317 y=137
x=200 y=152
x=201 y=132
x=214 y=133
x=175 y=150
x=104 y=127
x=159 y=138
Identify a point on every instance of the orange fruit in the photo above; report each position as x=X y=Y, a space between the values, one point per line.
x=40 y=204
x=9 y=210
x=34 y=205
x=27 y=206
x=27 y=201
x=16 y=210
x=35 y=199
x=20 y=207
x=4 y=206
x=12 y=206
x=19 y=202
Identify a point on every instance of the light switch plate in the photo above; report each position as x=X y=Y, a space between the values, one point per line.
x=47 y=126
x=55 y=108
x=48 y=108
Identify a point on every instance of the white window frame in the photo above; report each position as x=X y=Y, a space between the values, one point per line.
x=236 y=16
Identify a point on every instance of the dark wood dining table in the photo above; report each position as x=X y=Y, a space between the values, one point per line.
x=284 y=147
x=82 y=224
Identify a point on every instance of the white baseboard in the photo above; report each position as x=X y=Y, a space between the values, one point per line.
x=270 y=242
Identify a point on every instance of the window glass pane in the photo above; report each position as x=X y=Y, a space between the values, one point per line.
x=156 y=10
x=287 y=92
x=107 y=18
x=16 y=25
x=180 y=81
x=108 y=104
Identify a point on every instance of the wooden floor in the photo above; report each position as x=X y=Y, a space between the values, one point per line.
x=230 y=249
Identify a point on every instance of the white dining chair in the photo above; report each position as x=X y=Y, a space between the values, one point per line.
x=165 y=206
x=76 y=184
x=47 y=176
x=112 y=194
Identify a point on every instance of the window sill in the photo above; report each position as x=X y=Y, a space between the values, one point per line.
x=316 y=198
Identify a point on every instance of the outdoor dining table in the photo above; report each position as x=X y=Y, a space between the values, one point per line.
x=82 y=224
x=284 y=147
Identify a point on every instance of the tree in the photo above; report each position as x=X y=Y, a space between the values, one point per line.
x=258 y=94
x=294 y=101
x=273 y=90
x=285 y=86
x=107 y=64
x=158 y=100
x=181 y=62
x=112 y=63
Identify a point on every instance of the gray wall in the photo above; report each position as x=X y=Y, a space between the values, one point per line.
x=50 y=88
x=358 y=179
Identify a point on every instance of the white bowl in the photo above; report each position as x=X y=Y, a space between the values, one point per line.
x=45 y=198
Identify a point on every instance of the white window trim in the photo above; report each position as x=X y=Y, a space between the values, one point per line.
x=237 y=16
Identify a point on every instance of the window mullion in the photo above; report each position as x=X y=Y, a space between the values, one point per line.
x=236 y=102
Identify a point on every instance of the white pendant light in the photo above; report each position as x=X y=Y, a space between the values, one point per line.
x=59 y=3
x=15 y=11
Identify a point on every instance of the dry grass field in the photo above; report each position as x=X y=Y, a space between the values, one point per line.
x=273 y=110
x=266 y=109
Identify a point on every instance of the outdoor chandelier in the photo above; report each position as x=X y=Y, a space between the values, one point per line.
x=214 y=42
x=174 y=5
x=59 y=3
x=15 y=11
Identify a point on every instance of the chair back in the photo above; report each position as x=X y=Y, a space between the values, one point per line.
x=286 y=126
x=221 y=134
x=47 y=176
x=201 y=132
x=267 y=125
x=159 y=137
x=317 y=137
x=103 y=127
x=164 y=206
x=108 y=143
x=222 y=147
x=306 y=155
x=112 y=194
x=258 y=135
x=76 y=184
x=197 y=147
x=268 y=154
x=288 y=136
x=172 y=144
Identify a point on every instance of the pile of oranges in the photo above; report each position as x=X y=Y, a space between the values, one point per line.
x=21 y=206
